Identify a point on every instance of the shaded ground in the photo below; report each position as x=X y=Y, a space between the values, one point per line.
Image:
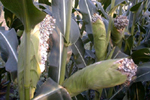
x=11 y=94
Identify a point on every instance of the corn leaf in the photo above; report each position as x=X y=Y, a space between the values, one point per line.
x=59 y=11
x=141 y=55
x=143 y=74
x=25 y=11
x=51 y=91
x=79 y=51
x=55 y=55
x=12 y=21
x=117 y=4
x=8 y=48
x=136 y=7
x=87 y=8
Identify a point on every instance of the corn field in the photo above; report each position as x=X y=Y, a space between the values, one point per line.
x=74 y=50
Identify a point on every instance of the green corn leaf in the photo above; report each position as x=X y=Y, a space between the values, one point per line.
x=143 y=74
x=99 y=75
x=60 y=10
x=118 y=54
x=136 y=7
x=100 y=7
x=79 y=52
x=117 y=4
x=25 y=11
x=143 y=45
x=8 y=48
x=87 y=8
x=141 y=55
x=74 y=32
x=28 y=63
x=45 y=2
x=129 y=42
x=54 y=57
x=136 y=91
x=12 y=21
x=50 y=90
x=106 y=3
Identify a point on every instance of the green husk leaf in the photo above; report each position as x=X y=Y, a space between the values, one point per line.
x=99 y=34
x=116 y=36
x=34 y=64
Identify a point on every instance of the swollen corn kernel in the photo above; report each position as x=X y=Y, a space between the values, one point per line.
x=128 y=67
x=121 y=22
x=95 y=17
x=46 y=28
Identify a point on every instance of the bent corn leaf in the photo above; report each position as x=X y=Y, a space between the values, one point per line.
x=59 y=11
x=55 y=55
x=8 y=48
x=143 y=74
x=25 y=11
x=79 y=52
x=50 y=90
x=87 y=8
x=136 y=7
x=141 y=55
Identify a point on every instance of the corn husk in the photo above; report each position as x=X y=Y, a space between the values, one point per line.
x=99 y=34
x=100 y=75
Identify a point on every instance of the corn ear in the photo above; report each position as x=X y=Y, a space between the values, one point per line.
x=99 y=34
x=34 y=71
x=116 y=36
x=117 y=29
x=100 y=75
x=38 y=55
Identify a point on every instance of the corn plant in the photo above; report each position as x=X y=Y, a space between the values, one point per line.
x=76 y=49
